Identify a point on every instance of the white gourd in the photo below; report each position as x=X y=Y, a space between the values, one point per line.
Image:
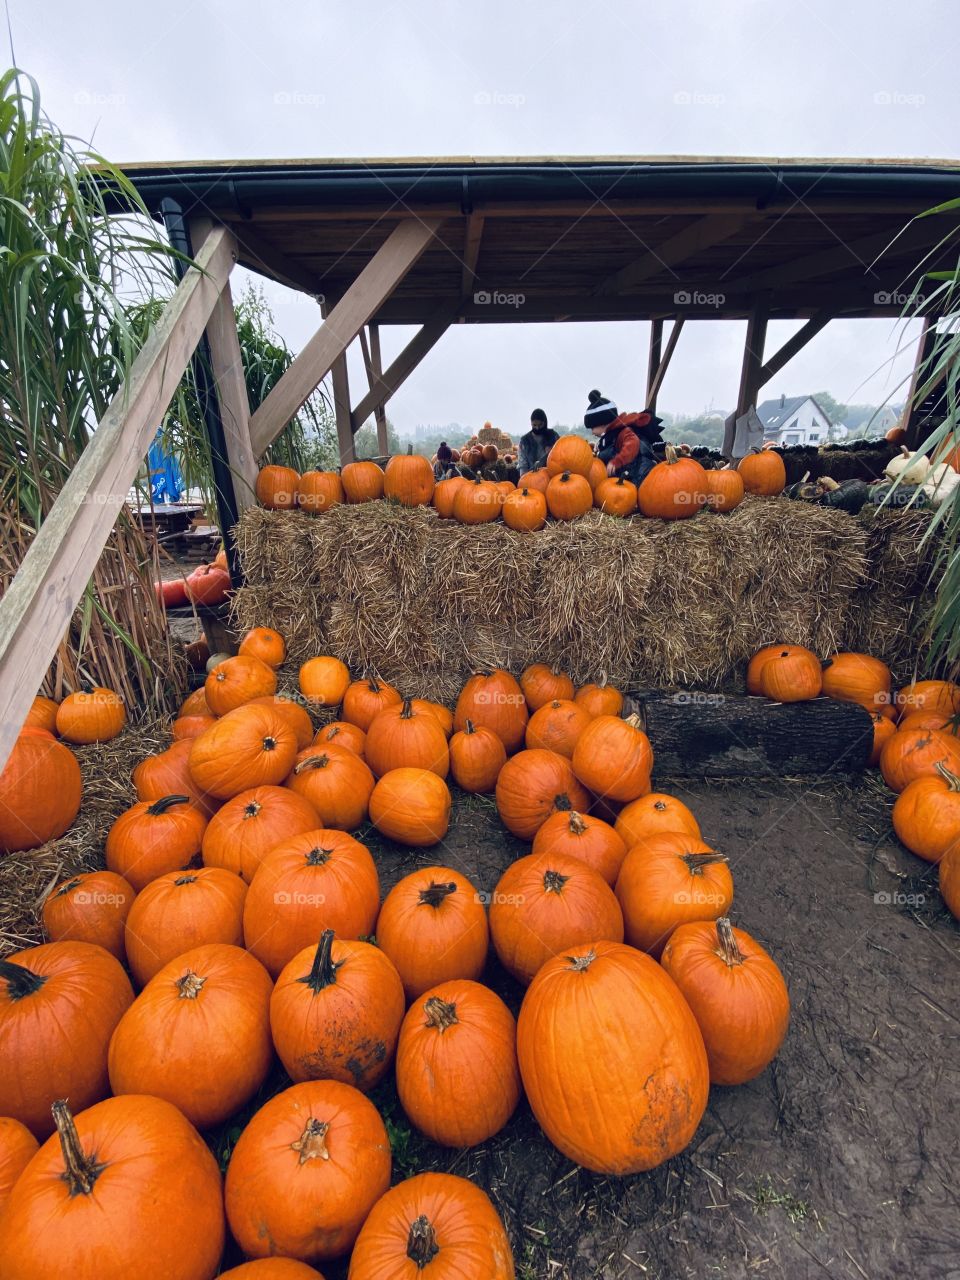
x=941 y=482
x=907 y=467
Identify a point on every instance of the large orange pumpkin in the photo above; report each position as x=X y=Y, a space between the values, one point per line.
x=792 y=674
x=306 y=1171
x=242 y=832
x=495 y=700
x=477 y=502
x=336 y=782
x=929 y=695
x=59 y=1005
x=541 y=683
x=457 y=1074
x=612 y=1059
x=926 y=815
x=525 y=509
x=265 y=644
x=253 y=746
x=653 y=813
x=443 y=715
x=856 y=677
x=757 y=663
x=153 y=837
x=179 y=911
x=569 y=496
x=476 y=757
x=190 y=726
x=322 y=879
x=737 y=995
x=236 y=681
x=616 y=495
x=40 y=791
x=324 y=681
x=545 y=903
x=433 y=927
x=366 y=698
x=536 y=481
x=195 y=704
x=613 y=758
x=362 y=482
x=168 y=773
x=408 y=479
x=411 y=806
x=674 y=489
x=570 y=453
x=18 y=1146
x=400 y=737
x=318 y=491
x=599 y=699
x=198 y=1035
x=724 y=489
x=582 y=836
x=436 y=1225
x=207 y=585
x=557 y=726
x=277 y=487
x=128 y=1188
x=532 y=785
x=96 y=716
x=91 y=906
x=916 y=753
x=42 y=714
x=443 y=495
x=336 y=1011
x=763 y=472
x=670 y=879
x=296 y=716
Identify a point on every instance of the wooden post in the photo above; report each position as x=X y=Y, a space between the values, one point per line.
x=341 y=408
x=663 y=366
x=39 y=603
x=752 y=358
x=376 y=368
x=653 y=362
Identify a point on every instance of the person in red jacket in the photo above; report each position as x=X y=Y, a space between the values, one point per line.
x=625 y=439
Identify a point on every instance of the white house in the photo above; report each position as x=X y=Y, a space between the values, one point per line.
x=797 y=420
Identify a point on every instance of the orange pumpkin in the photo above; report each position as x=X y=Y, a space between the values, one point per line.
x=580 y=835
x=90 y=907
x=477 y=502
x=96 y=716
x=241 y=833
x=929 y=695
x=42 y=715
x=724 y=489
x=442 y=714
x=306 y=1171
x=267 y=645
x=926 y=815
x=883 y=731
x=321 y=879
x=599 y=699
x=253 y=746
x=616 y=495
x=153 y=837
x=736 y=993
x=792 y=674
x=457 y=1074
x=40 y=791
x=525 y=509
x=105 y=1199
x=277 y=487
x=674 y=489
x=670 y=879
x=537 y=481
x=597 y=474
x=532 y=785
x=408 y=479
x=476 y=757
x=59 y=1005
x=318 y=491
x=195 y=704
x=236 y=681
x=18 y=1146
x=271 y=1269
x=168 y=773
x=613 y=758
x=495 y=700
x=434 y=1222
x=949 y=878
x=324 y=681
x=926 y=720
x=362 y=482
x=191 y=726
x=340 y=733
x=557 y=726
x=763 y=472
x=443 y=495
x=653 y=813
x=758 y=662
x=336 y=782
x=916 y=753
x=570 y=453
x=411 y=806
x=179 y=911
x=612 y=1059
x=433 y=927
x=569 y=496
x=400 y=737
x=541 y=684
x=366 y=698
x=545 y=903
x=296 y=716
x=336 y=1011
x=856 y=677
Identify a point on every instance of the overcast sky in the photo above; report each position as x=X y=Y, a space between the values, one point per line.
x=225 y=79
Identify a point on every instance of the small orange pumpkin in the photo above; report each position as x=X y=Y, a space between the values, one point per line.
x=536 y=480
x=525 y=509
x=670 y=879
x=266 y=644
x=476 y=757
x=336 y=782
x=181 y=910
x=857 y=677
x=917 y=753
x=569 y=496
x=366 y=698
x=42 y=714
x=443 y=495
x=362 y=482
x=557 y=726
x=253 y=746
x=153 y=837
x=582 y=836
x=277 y=487
x=250 y=825
x=495 y=700
x=613 y=758
x=96 y=716
x=89 y=907
x=400 y=737
x=763 y=472
x=318 y=491
x=185 y=727
x=324 y=681
x=168 y=773
x=883 y=731
x=616 y=495
x=792 y=674
x=653 y=813
x=477 y=502
x=929 y=695
x=724 y=489
x=236 y=681
x=541 y=684
x=926 y=815
x=296 y=716
x=597 y=474
x=599 y=699
x=340 y=733
x=40 y=791
x=533 y=784
x=411 y=806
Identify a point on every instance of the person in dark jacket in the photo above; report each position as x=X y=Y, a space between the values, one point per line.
x=536 y=444
x=625 y=440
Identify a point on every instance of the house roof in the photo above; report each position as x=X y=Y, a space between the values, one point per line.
x=773 y=415
x=585 y=238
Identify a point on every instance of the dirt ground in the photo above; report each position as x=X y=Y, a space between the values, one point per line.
x=842 y=1159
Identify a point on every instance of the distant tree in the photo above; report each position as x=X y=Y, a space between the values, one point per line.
x=365 y=442
x=835 y=411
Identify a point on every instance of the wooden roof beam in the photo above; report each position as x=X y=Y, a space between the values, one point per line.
x=257 y=255
x=792 y=345
x=694 y=239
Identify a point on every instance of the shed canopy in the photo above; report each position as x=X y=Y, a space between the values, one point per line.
x=585 y=239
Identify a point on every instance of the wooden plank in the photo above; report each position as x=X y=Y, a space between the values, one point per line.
x=379 y=413
x=752 y=358
x=653 y=361
x=471 y=252
x=664 y=364
x=37 y=607
x=368 y=292
x=259 y=255
x=702 y=234
x=792 y=345
x=405 y=363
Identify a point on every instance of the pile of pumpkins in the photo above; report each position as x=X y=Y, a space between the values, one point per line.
x=250 y=924
x=573 y=482
x=916 y=741
x=208 y=585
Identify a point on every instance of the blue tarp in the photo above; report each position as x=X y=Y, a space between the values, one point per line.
x=166 y=478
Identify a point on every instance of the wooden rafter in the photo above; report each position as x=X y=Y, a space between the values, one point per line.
x=792 y=345
x=700 y=235
x=405 y=363
x=256 y=254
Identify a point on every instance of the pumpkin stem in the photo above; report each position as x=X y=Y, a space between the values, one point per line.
x=580 y=964
x=575 y=824
x=80 y=1171
x=373 y=684
x=440 y=1013
x=422 y=1245
x=312 y=762
x=189 y=986
x=435 y=893
x=562 y=803
x=312 y=1143
x=165 y=803
x=269 y=744
x=406 y=711
x=553 y=882
x=317 y=857
x=731 y=953
x=951 y=779
x=323 y=972
x=20 y=981
x=185 y=880
x=469 y=727
x=634 y=721
x=697 y=863
x=670 y=453
x=69 y=886
x=659 y=805
x=525 y=492
x=252 y=809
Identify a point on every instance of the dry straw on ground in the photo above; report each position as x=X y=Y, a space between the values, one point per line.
x=423 y=601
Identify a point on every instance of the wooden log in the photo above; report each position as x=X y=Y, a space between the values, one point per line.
x=722 y=735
